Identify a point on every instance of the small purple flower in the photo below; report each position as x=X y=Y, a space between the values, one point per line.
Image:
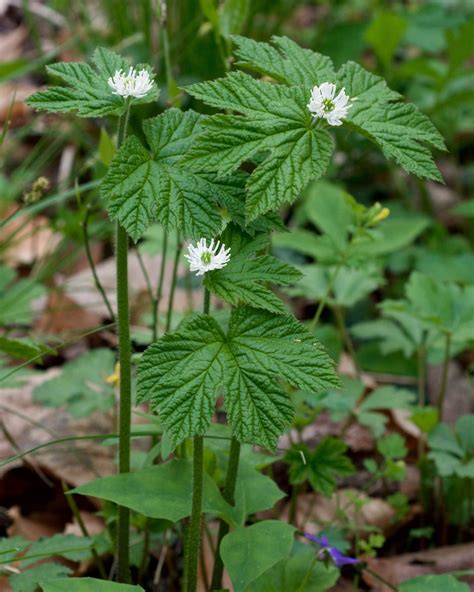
x=339 y=559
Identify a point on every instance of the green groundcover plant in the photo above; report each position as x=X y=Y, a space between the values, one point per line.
x=220 y=180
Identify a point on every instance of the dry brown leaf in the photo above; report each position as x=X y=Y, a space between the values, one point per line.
x=73 y=462
x=434 y=561
x=33 y=240
x=316 y=511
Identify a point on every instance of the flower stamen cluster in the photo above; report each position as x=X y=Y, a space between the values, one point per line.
x=203 y=258
x=134 y=84
x=325 y=104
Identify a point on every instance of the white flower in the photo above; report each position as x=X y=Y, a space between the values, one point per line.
x=134 y=84
x=323 y=103
x=203 y=258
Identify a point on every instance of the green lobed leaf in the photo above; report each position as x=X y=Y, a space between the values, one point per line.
x=88 y=93
x=183 y=372
x=241 y=281
x=286 y=61
x=277 y=124
x=399 y=129
x=144 y=186
x=272 y=122
x=322 y=466
x=249 y=552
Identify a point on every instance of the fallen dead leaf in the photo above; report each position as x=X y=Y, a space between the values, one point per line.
x=435 y=561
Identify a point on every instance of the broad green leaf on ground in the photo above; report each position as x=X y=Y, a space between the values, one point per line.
x=245 y=279
x=82 y=385
x=434 y=583
x=86 y=585
x=183 y=373
x=254 y=492
x=274 y=121
x=88 y=93
x=144 y=186
x=163 y=491
x=384 y=34
x=249 y=552
x=29 y=579
x=344 y=286
x=16 y=298
x=22 y=347
x=292 y=574
x=322 y=466
x=69 y=546
x=392 y=446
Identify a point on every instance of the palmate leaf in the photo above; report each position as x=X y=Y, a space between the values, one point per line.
x=273 y=122
x=241 y=280
x=143 y=186
x=277 y=122
x=88 y=93
x=322 y=466
x=182 y=373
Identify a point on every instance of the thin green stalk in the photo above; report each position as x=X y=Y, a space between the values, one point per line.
x=228 y=494
x=125 y=353
x=179 y=248
x=77 y=515
x=90 y=260
x=346 y=338
x=194 y=531
x=322 y=303
x=159 y=289
x=444 y=376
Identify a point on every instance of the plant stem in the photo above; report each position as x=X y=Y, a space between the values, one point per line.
x=169 y=314
x=194 y=531
x=159 y=289
x=322 y=303
x=90 y=260
x=305 y=580
x=125 y=403
x=346 y=338
x=444 y=376
x=228 y=495
x=77 y=515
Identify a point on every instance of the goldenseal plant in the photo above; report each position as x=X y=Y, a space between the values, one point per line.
x=219 y=181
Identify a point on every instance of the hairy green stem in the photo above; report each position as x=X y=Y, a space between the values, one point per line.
x=125 y=353
x=228 y=494
x=444 y=375
x=194 y=531
x=169 y=314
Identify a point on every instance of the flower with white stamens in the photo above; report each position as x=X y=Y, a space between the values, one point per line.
x=324 y=104
x=203 y=258
x=134 y=84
